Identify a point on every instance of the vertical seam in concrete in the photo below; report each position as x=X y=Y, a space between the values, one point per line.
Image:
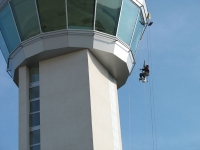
x=90 y=95
x=114 y=114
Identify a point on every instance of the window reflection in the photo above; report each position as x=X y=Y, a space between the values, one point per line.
x=34 y=119
x=34 y=93
x=26 y=18
x=8 y=28
x=128 y=20
x=34 y=137
x=37 y=147
x=107 y=15
x=52 y=14
x=80 y=14
x=4 y=48
x=35 y=106
x=137 y=34
x=34 y=74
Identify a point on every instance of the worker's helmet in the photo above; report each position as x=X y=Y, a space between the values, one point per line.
x=147 y=66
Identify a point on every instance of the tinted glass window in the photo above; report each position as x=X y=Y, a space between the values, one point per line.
x=34 y=74
x=34 y=137
x=4 y=48
x=34 y=119
x=37 y=147
x=8 y=29
x=128 y=20
x=80 y=14
x=138 y=32
x=52 y=14
x=34 y=92
x=35 y=106
x=107 y=15
x=26 y=18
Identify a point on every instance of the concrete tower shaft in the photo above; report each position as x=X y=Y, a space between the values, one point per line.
x=78 y=105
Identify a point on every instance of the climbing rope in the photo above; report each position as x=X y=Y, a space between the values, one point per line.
x=129 y=117
x=151 y=96
x=153 y=113
x=146 y=119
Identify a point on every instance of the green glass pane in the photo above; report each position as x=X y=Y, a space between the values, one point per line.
x=8 y=28
x=34 y=120
x=107 y=15
x=52 y=14
x=34 y=74
x=26 y=18
x=128 y=20
x=34 y=137
x=138 y=33
x=34 y=106
x=3 y=48
x=80 y=14
x=34 y=93
x=37 y=147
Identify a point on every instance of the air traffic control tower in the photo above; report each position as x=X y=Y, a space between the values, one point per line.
x=68 y=58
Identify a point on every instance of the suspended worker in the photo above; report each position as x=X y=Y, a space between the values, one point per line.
x=145 y=72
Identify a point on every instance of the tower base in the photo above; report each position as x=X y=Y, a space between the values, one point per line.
x=78 y=105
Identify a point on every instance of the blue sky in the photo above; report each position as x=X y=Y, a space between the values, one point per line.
x=171 y=46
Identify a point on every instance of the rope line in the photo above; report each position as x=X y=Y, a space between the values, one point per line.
x=129 y=118
x=152 y=95
x=153 y=114
x=151 y=105
x=145 y=107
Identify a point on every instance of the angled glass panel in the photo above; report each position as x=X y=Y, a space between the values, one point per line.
x=4 y=48
x=107 y=15
x=34 y=137
x=34 y=93
x=138 y=32
x=34 y=74
x=52 y=14
x=80 y=14
x=8 y=29
x=35 y=106
x=37 y=147
x=26 y=19
x=127 y=21
x=34 y=119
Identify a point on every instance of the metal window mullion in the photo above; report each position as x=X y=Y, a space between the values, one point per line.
x=15 y=22
x=95 y=13
x=38 y=17
x=119 y=17
x=34 y=128
x=136 y=48
x=3 y=4
x=31 y=113
x=142 y=6
x=137 y=45
x=35 y=99
x=34 y=144
x=143 y=31
x=66 y=14
x=134 y=28
x=34 y=84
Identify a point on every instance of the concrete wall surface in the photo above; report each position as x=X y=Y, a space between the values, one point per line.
x=24 y=108
x=101 y=107
x=65 y=103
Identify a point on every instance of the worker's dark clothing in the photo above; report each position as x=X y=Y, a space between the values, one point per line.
x=145 y=72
